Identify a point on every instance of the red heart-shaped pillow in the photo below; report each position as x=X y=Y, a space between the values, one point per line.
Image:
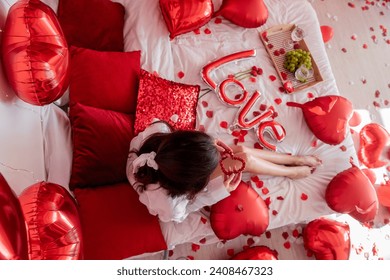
x=351 y=192
x=243 y=212
x=248 y=13
x=257 y=253
x=327 y=239
x=182 y=16
x=327 y=117
x=373 y=140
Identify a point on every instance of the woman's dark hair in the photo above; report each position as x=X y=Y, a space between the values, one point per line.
x=185 y=162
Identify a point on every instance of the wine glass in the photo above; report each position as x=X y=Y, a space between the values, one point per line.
x=297 y=34
x=302 y=74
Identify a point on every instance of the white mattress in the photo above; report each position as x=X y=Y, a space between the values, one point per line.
x=35 y=141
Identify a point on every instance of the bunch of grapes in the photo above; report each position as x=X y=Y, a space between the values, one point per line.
x=295 y=58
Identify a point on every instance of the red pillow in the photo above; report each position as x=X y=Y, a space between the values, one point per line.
x=101 y=140
x=92 y=24
x=166 y=100
x=106 y=80
x=115 y=224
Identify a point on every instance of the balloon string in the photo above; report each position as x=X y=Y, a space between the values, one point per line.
x=20 y=170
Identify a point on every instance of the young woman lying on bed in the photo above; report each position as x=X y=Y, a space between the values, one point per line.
x=178 y=172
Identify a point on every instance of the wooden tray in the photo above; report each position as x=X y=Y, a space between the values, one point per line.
x=273 y=39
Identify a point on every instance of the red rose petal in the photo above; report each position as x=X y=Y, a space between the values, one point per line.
x=295 y=233
x=377 y=93
x=250 y=241
x=205 y=104
x=180 y=75
x=263 y=107
x=352 y=5
x=314 y=143
x=285 y=235
x=265 y=190
x=280 y=198
x=304 y=196
x=195 y=247
x=218 y=20
x=230 y=252
x=310 y=95
x=272 y=78
x=284 y=75
x=343 y=148
x=197 y=31
x=259 y=184
x=274 y=212
x=202 y=241
x=267 y=201
x=344 y=50
x=268 y=234
x=170 y=253
x=257 y=146
x=207 y=31
x=203 y=220
x=278 y=101
x=209 y=114
x=287 y=245
x=365 y=46
x=190 y=258
x=224 y=124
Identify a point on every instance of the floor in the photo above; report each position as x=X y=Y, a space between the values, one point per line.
x=359 y=53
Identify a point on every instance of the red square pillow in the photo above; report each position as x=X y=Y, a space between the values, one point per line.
x=101 y=140
x=106 y=80
x=115 y=224
x=166 y=100
x=92 y=24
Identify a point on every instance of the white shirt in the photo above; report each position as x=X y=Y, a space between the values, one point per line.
x=157 y=199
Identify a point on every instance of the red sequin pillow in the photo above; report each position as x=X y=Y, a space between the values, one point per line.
x=166 y=100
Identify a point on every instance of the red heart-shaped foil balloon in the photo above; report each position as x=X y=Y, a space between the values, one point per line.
x=248 y=13
x=53 y=223
x=373 y=140
x=327 y=117
x=13 y=235
x=35 y=53
x=351 y=192
x=327 y=239
x=256 y=253
x=243 y=212
x=182 y=16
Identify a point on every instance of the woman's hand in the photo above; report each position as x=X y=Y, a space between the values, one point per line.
x=232 y=181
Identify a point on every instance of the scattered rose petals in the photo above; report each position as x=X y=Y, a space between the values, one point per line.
x=265 y=190
x=304 y=196
x=195 y=247
x=268 y=234
x=209 y=114
x=205 y=104
x=274 y=212
x=272 y=78
x=278 y=101
x=287 y=245
x=207 y=31
x=180 y=74
x=224 y=124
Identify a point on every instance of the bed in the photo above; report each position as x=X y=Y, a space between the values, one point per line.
x=292 y=203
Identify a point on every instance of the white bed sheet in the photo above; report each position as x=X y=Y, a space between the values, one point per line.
x=35 y=141
x=189 y=52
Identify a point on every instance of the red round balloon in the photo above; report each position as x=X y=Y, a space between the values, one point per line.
x=351 y=192
x=257 y=253
x=248 y=13
x=374 y=139
x=13 y=236
x=182 y=16
x=327 y=239
x=53 y=224
x=327 y=33
x=327 y=117
x=35 y=53
x=243 y=212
